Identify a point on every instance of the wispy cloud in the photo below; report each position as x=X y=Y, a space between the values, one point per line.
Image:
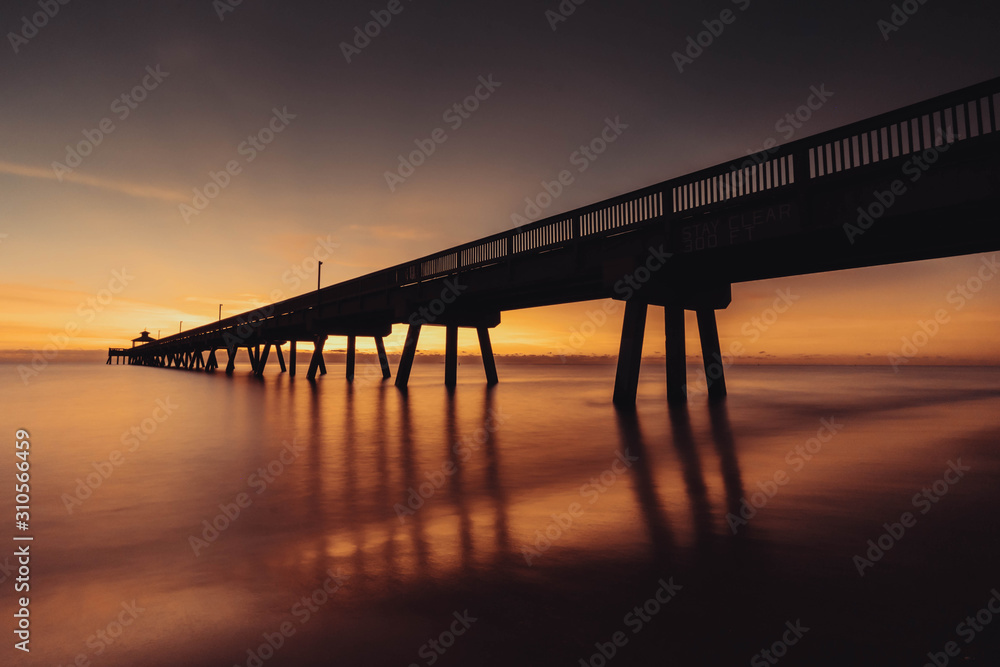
x=130 y=189
x=391 y=232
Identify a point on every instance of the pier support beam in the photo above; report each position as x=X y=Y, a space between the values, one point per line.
x=352 y=344
x=630 y=353
x=262 y=360
x=213 y=361
x=383 y=360
x=450 y=356
x=231 y=364
x=486 y=350
x=254 y=352
x=281 y=357
x=317 y=358
x=292 y=358
x=673 y=319
x=715 y=374
x=409 y=351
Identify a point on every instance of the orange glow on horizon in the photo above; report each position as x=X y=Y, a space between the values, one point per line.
x=858 y=316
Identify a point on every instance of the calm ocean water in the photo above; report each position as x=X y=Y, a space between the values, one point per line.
x=530 y=523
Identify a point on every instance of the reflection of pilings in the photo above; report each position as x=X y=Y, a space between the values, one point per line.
x=315 y=463
x=457 y=492
x=383 y=498
x=410 y=481
x=493 y=475
x=354 y=516
x=644 y=484
x=694 y=481
x=722 y=434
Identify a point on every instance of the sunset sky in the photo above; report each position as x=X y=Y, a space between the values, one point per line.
x=115 y=219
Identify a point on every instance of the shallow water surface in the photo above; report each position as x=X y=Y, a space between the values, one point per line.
x=186 y=518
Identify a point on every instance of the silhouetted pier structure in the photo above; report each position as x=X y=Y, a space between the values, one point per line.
x=119 y=353
x=920 y=182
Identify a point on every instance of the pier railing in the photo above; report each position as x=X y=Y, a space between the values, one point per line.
x=962 y=115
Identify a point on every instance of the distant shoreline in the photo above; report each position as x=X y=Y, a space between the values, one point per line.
x=422 y=358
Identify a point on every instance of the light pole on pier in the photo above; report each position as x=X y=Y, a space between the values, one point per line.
x=220 y=312
x=319 y=273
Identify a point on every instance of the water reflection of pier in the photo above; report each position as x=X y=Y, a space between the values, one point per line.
x=391 y=503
